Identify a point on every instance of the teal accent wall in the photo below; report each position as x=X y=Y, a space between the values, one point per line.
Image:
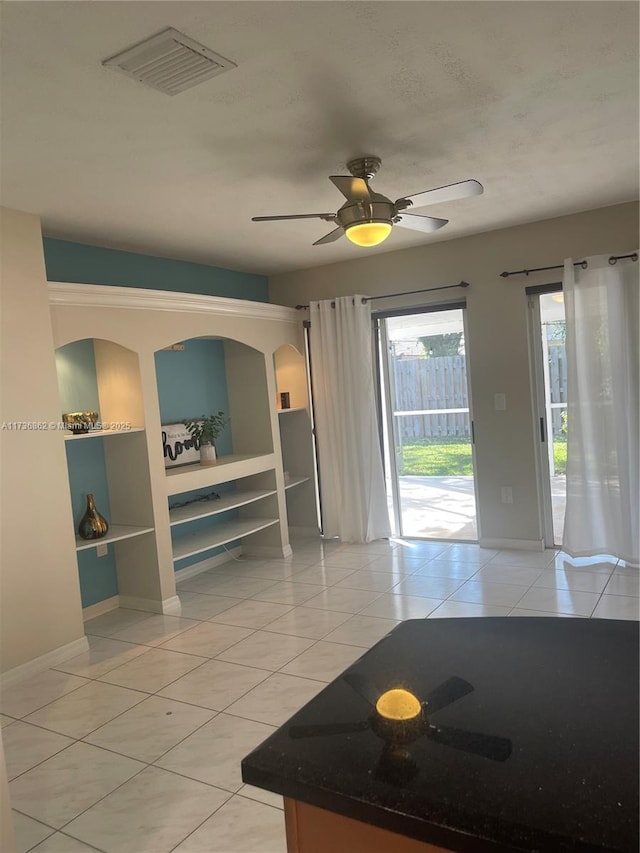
x=193 y=382
x=77 y=262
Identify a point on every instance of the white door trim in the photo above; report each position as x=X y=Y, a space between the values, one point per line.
x=540 y=423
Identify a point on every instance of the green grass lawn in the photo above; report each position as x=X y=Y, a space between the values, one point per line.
x=451 y=457
x=560 y=455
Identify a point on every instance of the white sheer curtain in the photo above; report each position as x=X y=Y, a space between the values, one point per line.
x=603 y=473
x=354 y=504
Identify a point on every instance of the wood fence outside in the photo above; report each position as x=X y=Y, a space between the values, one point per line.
x=440 y=383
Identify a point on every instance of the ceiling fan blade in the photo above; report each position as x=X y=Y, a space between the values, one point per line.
x=353 y=189
x=452 y=192
x=330 y=237
x=363 y=687
x=328 y=217
x=428 y=224
x=327 y=729
x=446 y=693
x=488 y=746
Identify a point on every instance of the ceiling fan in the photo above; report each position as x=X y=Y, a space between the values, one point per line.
x=398 y=718
x=367 y=217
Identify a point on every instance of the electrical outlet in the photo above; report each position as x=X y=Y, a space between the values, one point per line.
x=500 y=402
x=506 y=493
x=102 y=549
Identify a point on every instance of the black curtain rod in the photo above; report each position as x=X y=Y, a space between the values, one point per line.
x=404 y=293
x=584 y=264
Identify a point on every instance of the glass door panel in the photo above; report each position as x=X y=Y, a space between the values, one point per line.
x=554 y=376
x=429 y=431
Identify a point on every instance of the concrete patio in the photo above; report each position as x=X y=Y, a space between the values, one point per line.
x=445 y=507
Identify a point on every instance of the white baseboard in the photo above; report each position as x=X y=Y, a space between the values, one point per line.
x=209 y=563
x=274 y=551
x=304 y=531
x=100 y=607
x=513 y=544
x=45 y=661
x=171 y=606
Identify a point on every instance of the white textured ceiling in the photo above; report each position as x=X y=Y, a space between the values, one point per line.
x=537 y=100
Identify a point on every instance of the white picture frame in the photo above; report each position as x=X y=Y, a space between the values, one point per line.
x=178 y=447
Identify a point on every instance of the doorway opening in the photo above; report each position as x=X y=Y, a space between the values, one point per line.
x=426 y=424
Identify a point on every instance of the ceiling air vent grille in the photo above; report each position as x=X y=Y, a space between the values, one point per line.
x=170 y=62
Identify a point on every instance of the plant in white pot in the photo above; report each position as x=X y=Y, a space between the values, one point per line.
x=205 y=431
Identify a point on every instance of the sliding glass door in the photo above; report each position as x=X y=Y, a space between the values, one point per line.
x=547 y=335
x=427 y=427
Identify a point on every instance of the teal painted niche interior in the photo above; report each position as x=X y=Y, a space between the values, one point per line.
x=78 y=388
x=80 y=263
x=88 y=475
x=77 y=382
x=191 y=383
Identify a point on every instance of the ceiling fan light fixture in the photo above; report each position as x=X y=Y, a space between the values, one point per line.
x=398 y=704
x=368 y=233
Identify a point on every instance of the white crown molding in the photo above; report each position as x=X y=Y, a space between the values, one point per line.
x=107 y=296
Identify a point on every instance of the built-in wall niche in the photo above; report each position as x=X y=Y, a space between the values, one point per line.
x=291 y=377
x=245 y=512
x=102 y=376
x=202 y=376
x=296 y=439
x=112 y=465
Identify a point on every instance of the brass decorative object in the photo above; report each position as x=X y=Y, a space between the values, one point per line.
x=92 y=524
x=80 y=422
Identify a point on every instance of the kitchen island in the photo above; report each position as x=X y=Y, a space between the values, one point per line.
x=471 y=735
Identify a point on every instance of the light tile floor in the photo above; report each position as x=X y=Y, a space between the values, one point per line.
x=136 y=745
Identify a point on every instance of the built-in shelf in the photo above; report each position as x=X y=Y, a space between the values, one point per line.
x=100 y=433
x=116 y=533
x=295 y=481
x=202 y=509
x=286 y=411
x=187 y=478
x=205 y=540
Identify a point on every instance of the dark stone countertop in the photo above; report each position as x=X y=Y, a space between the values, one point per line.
x=558 y=698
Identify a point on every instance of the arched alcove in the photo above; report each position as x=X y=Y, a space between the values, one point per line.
x=296 y=438
x=110 y=462
x=291 y=376
x=213 y=509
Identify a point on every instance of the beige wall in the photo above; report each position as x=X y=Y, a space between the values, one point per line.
x=496 y=326
x=40 y=607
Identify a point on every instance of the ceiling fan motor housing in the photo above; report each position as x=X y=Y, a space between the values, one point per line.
x=379 y=209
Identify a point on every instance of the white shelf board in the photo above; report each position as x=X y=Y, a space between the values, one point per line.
x=101 y=433
x=186 y=478
x=116 y=533
x=295 y=481
x=202 y=509
x=205 y=540
x=286 y=411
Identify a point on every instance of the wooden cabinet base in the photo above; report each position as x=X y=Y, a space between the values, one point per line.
x=314 y=830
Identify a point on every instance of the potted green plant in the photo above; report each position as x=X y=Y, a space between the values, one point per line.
x=205 y=431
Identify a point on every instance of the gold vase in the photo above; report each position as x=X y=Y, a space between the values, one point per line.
x=92 y=524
